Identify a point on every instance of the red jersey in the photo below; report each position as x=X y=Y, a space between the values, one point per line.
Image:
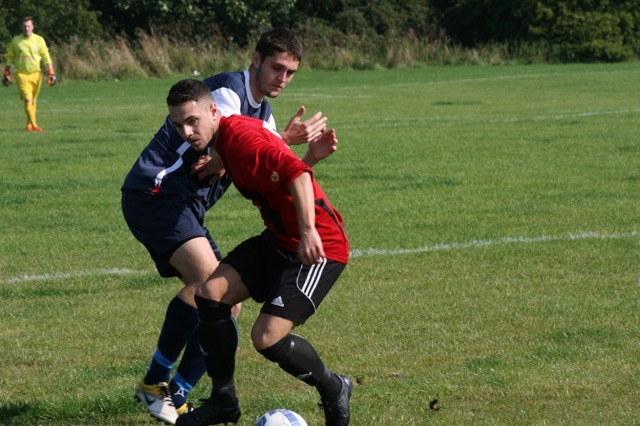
x=262 y=168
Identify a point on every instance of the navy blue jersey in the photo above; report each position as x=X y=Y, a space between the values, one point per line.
x=232 y=94
x=164 y=166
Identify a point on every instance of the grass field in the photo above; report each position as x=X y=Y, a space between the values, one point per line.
x=493 y=214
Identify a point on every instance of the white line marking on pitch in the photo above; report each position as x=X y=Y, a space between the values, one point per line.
x=485 y=243
x=63 y=275
x=572 y=115
x=360 y=253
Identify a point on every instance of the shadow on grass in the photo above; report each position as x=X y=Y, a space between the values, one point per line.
x=11 y=413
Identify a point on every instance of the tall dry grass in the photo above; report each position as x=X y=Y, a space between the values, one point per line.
x=148 y=56
x=153 y=55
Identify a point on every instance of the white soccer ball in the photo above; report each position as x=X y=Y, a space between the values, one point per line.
x=281 y=417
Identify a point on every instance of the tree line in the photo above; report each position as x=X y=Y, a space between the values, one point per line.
x=567 y=30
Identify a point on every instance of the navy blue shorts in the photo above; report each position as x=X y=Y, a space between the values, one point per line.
x=277 y=278
x=162 y=224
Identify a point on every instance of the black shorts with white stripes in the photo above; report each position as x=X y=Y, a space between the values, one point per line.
x=277 y=278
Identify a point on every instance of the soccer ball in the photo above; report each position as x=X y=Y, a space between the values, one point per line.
x=281 y=417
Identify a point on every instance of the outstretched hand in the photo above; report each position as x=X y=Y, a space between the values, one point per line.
x=299 y=132
x=321 y=148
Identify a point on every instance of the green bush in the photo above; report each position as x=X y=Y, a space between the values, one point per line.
x=161 y=37
x=575 y=30
x=602 y=33
x=59 y=22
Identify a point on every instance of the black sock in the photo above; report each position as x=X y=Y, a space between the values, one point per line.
x=297 y=357
x=219 y=339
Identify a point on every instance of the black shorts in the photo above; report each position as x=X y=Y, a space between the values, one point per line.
x=162 y=224
x=277 y=278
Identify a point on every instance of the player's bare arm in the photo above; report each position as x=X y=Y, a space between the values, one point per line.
x=298 y=132
x=310 y=248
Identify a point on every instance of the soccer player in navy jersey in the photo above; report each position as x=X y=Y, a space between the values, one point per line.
x=290 y=267
x=172 y=185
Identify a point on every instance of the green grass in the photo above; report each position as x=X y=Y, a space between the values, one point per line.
x=493 y=216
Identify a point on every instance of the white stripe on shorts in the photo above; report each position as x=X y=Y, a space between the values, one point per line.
x=313 y=277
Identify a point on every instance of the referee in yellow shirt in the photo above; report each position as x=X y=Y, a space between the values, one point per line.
x=25 y=52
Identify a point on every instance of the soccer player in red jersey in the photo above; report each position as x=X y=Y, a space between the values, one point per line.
x=289 y=268
x=167 y=193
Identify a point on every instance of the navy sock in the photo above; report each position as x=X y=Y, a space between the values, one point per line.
x=297 y=357
x=180 y=323
x=191 y=368
x=159 y=369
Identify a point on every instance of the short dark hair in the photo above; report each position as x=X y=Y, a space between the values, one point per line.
x=279 y=40
x=188 y=90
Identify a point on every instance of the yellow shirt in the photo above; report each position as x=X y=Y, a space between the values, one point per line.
x=25 y=54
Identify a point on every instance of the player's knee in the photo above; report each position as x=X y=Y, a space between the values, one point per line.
x=208 y=291
x=259 y=340
x=277 y=352
x=264 y=337
x=211 y=311
x=187 y=294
